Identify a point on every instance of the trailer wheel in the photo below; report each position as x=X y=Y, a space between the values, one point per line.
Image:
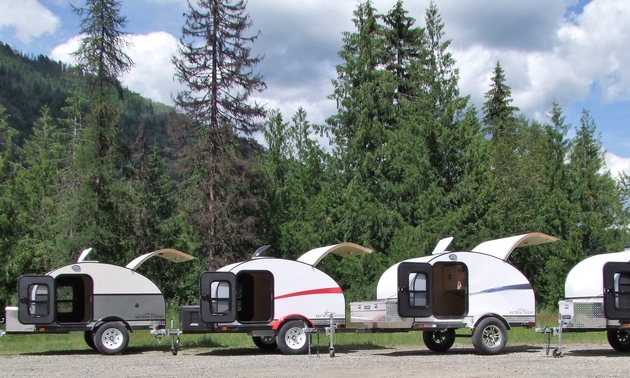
x=89 y=339
x=265 y=342
x=619 y=340
x=111 y=338
x=490 y=336
x=291 y=338
x=439 y=341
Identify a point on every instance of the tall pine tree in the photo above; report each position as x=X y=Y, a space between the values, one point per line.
x=102 y=60
x=216 y=66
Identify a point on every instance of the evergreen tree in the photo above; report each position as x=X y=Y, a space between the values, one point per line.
x=69 y=186
x=102 y=198
x=503 y=125
x=360 y=133
x=406 y=52
x=602 y=219
x=556 y=213
x=101 y=55
x=276 y=170
x=216 y=65
x=10 y=229
x=301 y=201
x=498 y=113
x=42 y=159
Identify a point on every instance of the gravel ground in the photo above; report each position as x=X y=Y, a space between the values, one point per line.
x=517 y=361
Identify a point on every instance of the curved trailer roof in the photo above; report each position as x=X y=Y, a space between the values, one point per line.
x=114 y=279
x=585 y=280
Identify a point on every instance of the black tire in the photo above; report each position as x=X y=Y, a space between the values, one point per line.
x=265 y=342
x=439 y=341
x=619 y=340
x=291 y=338
x=489 y=336
x=89 y=339
x=111 y=338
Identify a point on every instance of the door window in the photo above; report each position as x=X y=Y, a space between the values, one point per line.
x=220 y=298
x=39 y=304
x=417 y=290
x=622 y=291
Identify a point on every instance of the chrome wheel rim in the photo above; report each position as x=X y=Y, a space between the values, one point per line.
x=491 y=336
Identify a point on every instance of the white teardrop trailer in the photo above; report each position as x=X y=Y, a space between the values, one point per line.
x=597 y=298
x=444 y=291
x=104 y=301
x=276 y=301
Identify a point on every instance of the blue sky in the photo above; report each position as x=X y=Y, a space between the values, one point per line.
x=572 y=51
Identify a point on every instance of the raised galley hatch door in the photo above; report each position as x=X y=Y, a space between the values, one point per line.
x=218 y=297
x=617 y=290
x=36 y=299
x=415 y=292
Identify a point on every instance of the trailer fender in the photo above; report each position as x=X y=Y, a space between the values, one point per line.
x=276 y=324
x=492 y=315
x=106 y=319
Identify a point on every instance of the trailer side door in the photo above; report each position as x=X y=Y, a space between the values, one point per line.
x=36 y=299
x=218 y=297
x=617 y=290
x=415 y=295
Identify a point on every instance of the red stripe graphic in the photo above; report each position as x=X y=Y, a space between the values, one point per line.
x=331 y=290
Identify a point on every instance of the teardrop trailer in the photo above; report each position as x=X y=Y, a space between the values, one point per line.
x=278 y=302
x=103 y=301
x=445 y=291
x=597 y=298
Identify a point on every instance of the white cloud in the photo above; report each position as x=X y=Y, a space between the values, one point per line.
x=616 y=164
x=152 y=75
x=63 y=51
x=587 y=49
x=30 y=19
x=596 y=45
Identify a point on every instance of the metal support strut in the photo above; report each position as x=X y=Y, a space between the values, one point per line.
x=555 y=331
x=330 y=332
x=172 y=332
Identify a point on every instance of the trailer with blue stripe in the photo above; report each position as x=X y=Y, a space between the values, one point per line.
x=445 y=291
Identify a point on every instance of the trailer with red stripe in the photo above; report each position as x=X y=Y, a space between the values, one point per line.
x=274 y=300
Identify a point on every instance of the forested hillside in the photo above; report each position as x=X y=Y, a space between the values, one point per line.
x=410 y=161
x=27 y=83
